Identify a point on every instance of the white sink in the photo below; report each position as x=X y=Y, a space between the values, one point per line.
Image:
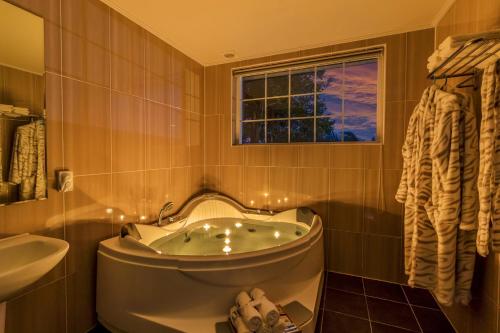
x=25 y=258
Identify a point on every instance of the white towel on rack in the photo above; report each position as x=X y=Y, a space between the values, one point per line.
x=452 y=43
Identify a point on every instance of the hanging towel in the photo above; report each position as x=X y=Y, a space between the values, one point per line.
x=28 y=161
x=489 y=170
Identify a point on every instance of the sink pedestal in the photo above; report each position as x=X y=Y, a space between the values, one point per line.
x=3 y=306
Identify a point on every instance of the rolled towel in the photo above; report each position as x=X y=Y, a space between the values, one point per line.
x=243 y=299
x=237 y=322
x=251 y=317
x=257 y=293
x=268 y=311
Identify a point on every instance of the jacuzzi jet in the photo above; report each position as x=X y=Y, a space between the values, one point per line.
x=187 y=239
x=251 y=230
x=220 y=236
x=298 y=233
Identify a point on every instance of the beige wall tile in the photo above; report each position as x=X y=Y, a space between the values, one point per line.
x=127 y=133
x=212 y=141
x=314 y=156
x=129 y=197
x=347 y=156
x=196 y=138
x=344 y=252
x=256 y=183
x=180 y=183
x=420 y=44
x=284 y=155
x=87 y=128
x=231 y=182
x=396 y=65
x=89 y=215
x=43 y=310
x=158 y=136
x=180 y=138
x=312 y=190
x=53 y=100
x=382 y=213
x=212 y=178
x=346 y=199
x=257 y=155
x=283 y=188
x=158 y=191
x=382 y=257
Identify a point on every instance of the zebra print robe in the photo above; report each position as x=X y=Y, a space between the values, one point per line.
x=437 y=188
x=489 y=170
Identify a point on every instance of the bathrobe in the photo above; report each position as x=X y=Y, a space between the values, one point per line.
x=443 y=140
x=28 y=161
x=489 y=170
x=414 y=191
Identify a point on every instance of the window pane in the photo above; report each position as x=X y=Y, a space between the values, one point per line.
x=277 y=84
x=360 y=101
x=252 y=132
x=328 y=105
x=277 y=108
x=302 y=130
x=277 y=131
x=328 y=129
x=253 y=87
x=329 y=79
x=251 y=110
x=302 y=106
x=302 y=82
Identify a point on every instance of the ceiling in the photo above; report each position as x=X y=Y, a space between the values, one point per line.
x=206 y=30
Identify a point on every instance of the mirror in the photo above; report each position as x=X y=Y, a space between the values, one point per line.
x=23 y=171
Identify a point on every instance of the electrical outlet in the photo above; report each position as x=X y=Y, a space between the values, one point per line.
x=65 y=181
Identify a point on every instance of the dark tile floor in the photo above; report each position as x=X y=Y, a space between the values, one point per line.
x=352 y=304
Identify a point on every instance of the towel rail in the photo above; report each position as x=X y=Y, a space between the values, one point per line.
x=463 y=61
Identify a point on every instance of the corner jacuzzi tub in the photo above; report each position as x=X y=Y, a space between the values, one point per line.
x=183 y=277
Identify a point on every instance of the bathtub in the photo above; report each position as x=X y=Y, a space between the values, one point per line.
x=184 y=276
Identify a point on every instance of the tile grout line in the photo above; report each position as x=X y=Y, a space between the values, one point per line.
x=61 y=100
x=411 y=308
x=366 y=304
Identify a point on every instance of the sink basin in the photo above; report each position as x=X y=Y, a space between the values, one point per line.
x=25 y=258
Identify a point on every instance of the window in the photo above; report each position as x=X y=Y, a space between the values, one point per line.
x=322 y=100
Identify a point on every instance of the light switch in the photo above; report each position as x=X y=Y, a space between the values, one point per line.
x=65 y=181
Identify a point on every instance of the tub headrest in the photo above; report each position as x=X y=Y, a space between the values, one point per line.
x=130 y=229
x=305 y=215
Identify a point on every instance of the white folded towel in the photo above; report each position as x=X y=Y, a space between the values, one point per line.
x=257 y=293
x=22 y=111
x=243 y=299
x=455 y=41
x=6 y=108
x=251 y=317
x=451 y=44
x=237 y=321
x=268 y=311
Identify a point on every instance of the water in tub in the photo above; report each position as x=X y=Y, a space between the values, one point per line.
x=229 y=236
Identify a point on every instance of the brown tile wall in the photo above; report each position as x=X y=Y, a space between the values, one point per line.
x=125 y=113
x=483 y=314
x=351 y=186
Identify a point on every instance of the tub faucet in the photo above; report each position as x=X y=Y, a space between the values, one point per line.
x=166 y=207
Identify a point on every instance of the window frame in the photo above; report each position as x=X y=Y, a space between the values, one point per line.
x=291 y=65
